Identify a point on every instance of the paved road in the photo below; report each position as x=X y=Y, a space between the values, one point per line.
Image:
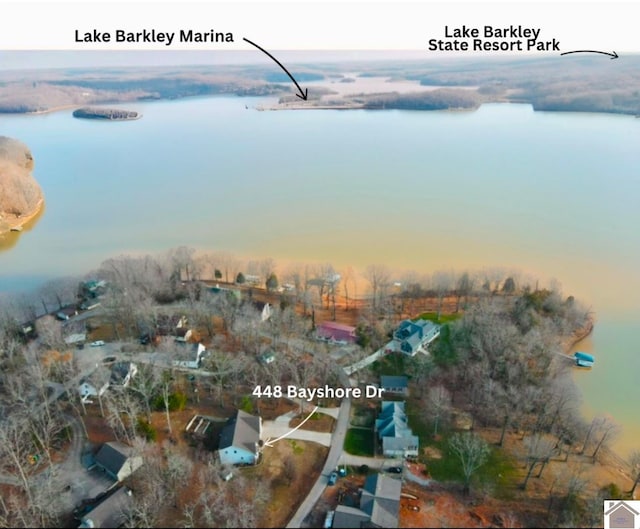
x=337 y=442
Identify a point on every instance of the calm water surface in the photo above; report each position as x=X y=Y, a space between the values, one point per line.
x=551 y=194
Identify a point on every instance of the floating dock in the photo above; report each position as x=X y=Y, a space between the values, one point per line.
x=583 y=359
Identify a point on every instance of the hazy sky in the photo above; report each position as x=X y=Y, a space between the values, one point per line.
x=315 y=25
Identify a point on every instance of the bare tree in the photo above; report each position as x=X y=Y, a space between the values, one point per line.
x=539 y=450
x=607 y=431
x=379 y=277
x=178 y=470
x=50 y=332
x=472 y=451
x=442 y=283
x=634 y=461
x=438 y=405
x=146 y=383
x=464 y=287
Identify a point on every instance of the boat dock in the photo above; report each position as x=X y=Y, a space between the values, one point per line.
x=579 y=358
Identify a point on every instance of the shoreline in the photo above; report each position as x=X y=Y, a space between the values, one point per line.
x=18 y=223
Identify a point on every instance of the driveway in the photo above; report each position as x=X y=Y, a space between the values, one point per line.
x=274 y=429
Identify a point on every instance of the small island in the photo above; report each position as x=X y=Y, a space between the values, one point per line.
x=111 y=114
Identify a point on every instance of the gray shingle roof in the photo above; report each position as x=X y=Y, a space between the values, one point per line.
x=349 y=517
x=242 y=431
x=393 y=382
x=112 y=456
x=111 y=512
x=381 y=500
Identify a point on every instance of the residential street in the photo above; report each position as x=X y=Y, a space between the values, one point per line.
x=337 y=442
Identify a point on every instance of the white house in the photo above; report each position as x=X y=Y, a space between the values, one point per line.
x=413 y=336
x=394 y=432
x=193 y=358
x=240 y=440
x=122 y=373
x=88 y=390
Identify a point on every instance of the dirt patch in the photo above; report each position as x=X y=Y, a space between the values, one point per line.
x=319 y=422
x=271 y=409
x=288 y=466
x=431 y=452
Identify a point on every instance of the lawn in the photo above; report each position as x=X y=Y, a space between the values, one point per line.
x=359 y=442
x=499 y=473
x=391 y=364
x=444 y=318
x=363 y=416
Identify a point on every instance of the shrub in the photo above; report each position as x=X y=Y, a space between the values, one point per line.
x=147 y=430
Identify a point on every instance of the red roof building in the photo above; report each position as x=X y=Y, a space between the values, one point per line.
x=336 y=332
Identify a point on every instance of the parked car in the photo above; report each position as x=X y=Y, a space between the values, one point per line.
x=394 y=470
x=109 y=359
x=97 y=343
x=333 y=477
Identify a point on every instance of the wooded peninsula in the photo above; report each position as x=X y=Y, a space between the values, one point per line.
x=109 y=360
x=573 y=83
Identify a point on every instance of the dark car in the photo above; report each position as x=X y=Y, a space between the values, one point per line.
x=333 y=477
x=109 y=359
x=394 y=470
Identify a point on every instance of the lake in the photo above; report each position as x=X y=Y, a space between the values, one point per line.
x=552 y=195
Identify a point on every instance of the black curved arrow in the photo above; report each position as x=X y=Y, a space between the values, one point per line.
x=613 y=55
x=303 y=94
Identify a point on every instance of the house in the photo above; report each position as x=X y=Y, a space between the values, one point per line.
x=167 y=325
x=393 y=431
x=88 y=390
x=266 y=313
x=91 y=289
x=331 y=331
x=66 y=313
x=620 y=515
x=267 y=357
x=117 y=460
x=412 y=336
x=28 y=330
x=89 y=304
x=113 y=511
x=265 y=309
x=193 y=358
x=240 y=440
x=122 y=373
x=379 y=505
x=391 y=384
x=183 y=334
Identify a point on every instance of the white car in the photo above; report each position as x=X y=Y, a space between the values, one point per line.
x=98 y=343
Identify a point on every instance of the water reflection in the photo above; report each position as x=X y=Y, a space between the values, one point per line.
x=10 y=239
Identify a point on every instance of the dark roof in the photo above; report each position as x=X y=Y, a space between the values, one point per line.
x=112 y=456
x=349 y=517
x=110 y=512
x=119 y=371
x=393 y=381
x=241 y=431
